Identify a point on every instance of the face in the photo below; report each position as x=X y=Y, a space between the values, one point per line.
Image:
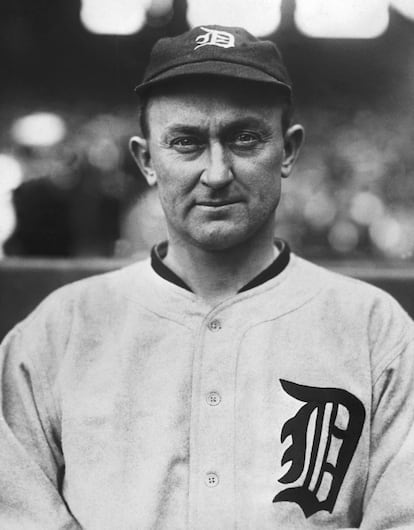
x=216 y=153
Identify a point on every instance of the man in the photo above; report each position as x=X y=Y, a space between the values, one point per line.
x=226 y=383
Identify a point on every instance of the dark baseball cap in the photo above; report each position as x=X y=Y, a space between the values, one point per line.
x=216 y=51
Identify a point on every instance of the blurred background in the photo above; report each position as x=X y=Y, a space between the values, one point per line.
x=69 y=188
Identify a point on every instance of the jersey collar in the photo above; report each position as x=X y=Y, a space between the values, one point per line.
x=159 y=252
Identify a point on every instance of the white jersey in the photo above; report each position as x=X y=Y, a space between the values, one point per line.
x=128 y=403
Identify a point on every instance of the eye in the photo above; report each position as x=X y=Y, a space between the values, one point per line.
x=186 y=144
x=246 y=139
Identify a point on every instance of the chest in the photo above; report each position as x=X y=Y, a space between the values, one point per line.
x=248 y=425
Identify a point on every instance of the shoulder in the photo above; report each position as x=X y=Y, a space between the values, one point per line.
x=83 y=309
x=89 y=298
x=363 y=309
x=344 y=288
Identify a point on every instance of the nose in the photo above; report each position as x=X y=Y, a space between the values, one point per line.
x=218 y=172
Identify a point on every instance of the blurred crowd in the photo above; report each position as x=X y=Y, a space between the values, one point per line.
x=353 y=191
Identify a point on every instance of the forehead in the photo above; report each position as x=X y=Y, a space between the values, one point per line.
x=197 y=99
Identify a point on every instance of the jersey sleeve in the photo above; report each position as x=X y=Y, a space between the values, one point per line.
x=389 y=494
x=31 y=460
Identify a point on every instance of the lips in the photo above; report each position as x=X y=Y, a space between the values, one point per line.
x=217 y=204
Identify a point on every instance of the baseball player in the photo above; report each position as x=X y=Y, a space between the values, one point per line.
x=225 y=382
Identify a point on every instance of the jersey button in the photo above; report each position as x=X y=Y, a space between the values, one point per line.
x=214 y=325
x=211 y=480
x=213 y=399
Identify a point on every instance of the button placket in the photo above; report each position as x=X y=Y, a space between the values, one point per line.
x=214 y=435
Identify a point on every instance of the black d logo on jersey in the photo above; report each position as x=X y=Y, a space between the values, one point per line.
x=322 y=478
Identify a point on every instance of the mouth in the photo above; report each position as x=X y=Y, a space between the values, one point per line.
x=217 y=204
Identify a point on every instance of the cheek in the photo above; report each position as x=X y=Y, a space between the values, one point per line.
x=167 y=194
x=173 y=193
x=268 y=198
x=168 y=181
x=176 y=182
x=264 y=182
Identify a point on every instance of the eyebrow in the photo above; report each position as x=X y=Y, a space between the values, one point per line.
x=249 y=121
x=183 y=128
x=245 y=122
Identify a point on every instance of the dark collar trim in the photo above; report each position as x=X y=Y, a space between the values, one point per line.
x=276 y=267
x=159 y=252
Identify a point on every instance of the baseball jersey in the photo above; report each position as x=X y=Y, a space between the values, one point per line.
x=129 y=403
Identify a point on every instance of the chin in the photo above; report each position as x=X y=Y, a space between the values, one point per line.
x=217 y=241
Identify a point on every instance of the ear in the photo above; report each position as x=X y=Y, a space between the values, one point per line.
x=139 y=150
x=293 y=141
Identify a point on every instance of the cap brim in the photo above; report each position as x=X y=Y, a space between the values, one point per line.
x=213 y=69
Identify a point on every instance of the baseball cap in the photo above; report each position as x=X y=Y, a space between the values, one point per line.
x=214 y=50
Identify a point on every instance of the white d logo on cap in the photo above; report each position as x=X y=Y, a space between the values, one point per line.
x=214 y=37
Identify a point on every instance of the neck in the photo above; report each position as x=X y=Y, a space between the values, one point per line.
x=215 y=275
